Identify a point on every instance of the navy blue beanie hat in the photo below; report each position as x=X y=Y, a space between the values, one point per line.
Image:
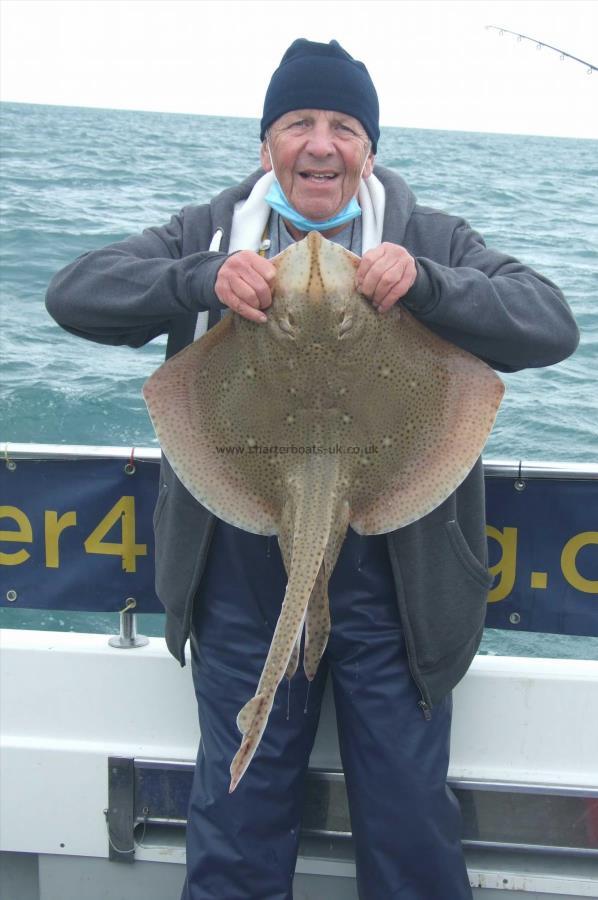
x=322 y=76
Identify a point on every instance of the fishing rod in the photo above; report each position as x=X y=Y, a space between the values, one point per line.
x=540 y=44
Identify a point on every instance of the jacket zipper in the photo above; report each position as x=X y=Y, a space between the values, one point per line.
x=422 y=703
x=427 y=712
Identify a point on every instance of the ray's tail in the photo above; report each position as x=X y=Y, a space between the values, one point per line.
x=308 y=522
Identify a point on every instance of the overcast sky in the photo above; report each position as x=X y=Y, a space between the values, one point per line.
x=434 y=63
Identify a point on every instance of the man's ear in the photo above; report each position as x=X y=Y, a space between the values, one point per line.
x=265 y=157
x=369 y=165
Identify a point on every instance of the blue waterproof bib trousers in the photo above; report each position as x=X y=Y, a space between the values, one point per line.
x=405 y=821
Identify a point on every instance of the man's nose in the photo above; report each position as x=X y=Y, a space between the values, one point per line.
x=321 y=140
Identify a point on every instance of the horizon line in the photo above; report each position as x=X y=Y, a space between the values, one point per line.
x=256 y=119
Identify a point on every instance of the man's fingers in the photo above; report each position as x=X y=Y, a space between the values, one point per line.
x=373 y=265
x=254 y=292
x=249 y=312
x=380 y=279
x=385 y=274
x=258 y=285
x=397 y=291
x=240 y=298
x=243 y=284
x=367 y=261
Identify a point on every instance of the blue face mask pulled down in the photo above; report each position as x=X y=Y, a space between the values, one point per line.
x=277 y=200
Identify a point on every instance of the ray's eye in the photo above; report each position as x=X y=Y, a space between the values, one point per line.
x=346 y=324
x=287 y=324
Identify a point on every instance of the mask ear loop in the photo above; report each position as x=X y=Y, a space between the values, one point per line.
x=367 y=156
x=271 y=160
x=274 y=170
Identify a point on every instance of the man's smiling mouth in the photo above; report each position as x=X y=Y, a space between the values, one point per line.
x=318 y=176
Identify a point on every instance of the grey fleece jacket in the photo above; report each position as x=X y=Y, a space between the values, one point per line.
x=484 y=301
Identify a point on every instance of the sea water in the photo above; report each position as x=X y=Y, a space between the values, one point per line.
x=75 y=179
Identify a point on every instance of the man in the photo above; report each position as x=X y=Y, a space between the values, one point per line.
x=407 y=609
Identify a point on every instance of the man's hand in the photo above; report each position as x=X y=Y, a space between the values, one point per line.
x=244 y=284
x=385 y=274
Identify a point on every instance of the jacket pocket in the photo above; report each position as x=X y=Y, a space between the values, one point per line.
x=467 y=557
x=445 y=591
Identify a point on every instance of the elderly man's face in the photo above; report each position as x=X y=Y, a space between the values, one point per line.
x=319 y=157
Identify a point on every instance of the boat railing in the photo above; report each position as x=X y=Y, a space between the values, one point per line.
x=78 y=520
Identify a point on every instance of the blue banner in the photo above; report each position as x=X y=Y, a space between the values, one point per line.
x=77 y=535
x=543 y=553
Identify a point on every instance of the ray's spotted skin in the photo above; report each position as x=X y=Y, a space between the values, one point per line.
x=325 y=416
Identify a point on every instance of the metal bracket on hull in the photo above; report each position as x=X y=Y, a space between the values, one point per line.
x=119 y=815
x=528 y=818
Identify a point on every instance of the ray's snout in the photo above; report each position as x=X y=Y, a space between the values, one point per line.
x=316 y=302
